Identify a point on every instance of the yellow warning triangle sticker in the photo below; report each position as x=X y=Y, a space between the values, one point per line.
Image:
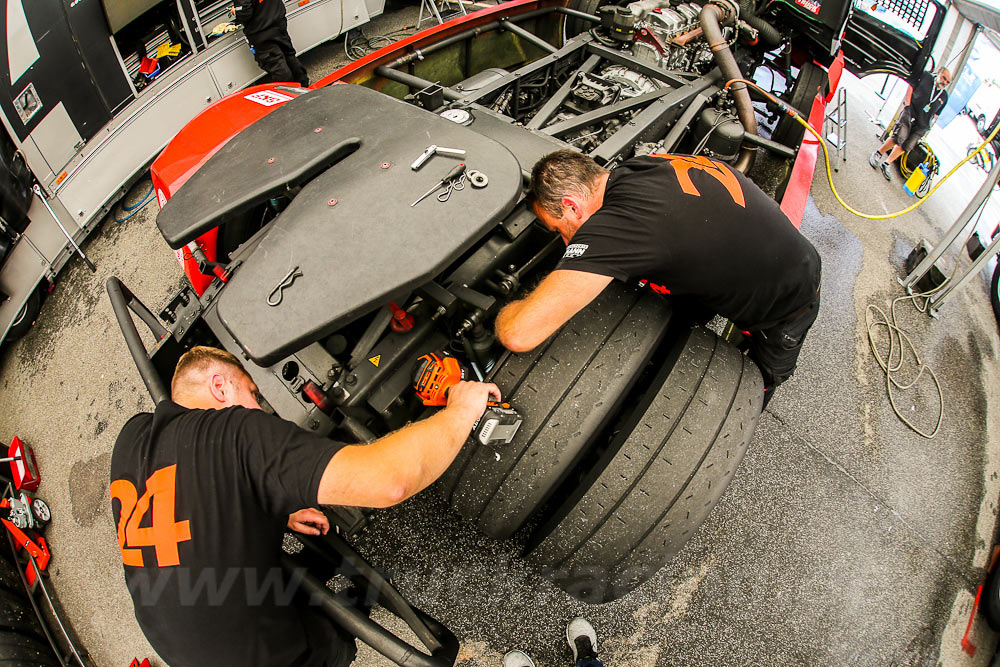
x=377 y=358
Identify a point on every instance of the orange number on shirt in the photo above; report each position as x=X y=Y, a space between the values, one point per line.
x=683 y=164
x=164 y=534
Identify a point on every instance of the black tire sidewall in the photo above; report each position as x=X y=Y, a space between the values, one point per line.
x=26 y=318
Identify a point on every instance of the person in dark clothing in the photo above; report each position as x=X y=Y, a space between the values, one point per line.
x=266 y=29
x=924 y=102
x=684 y=226
x=204 y=488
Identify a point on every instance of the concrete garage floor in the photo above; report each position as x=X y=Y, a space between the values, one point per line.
x=844 y=538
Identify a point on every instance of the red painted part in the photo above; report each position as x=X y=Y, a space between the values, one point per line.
x=800 y=180
x=316 y=395
x=968 y=646
x=834 y=74
x=203 y=136
x=208 y=244
x=24 y=469
x=402 y=321
x=38 y=548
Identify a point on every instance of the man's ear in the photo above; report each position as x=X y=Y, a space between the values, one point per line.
x=572 y=204
x=217 y=387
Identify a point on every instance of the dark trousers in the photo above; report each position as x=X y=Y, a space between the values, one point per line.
x=776 y=349
x=275 y=54
x=589 y=662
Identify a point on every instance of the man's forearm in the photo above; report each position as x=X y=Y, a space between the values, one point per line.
x=507 y=323
x=428 y=447
x=397 y=466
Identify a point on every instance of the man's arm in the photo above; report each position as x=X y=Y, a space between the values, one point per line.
x=405 y=462
x=524 y=324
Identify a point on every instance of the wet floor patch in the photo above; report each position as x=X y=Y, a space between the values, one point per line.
x=88 y=488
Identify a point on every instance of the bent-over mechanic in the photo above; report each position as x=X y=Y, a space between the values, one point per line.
x=685 y=226
x=204 y=488
x=266 y=28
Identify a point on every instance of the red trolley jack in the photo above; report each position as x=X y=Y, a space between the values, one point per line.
x=26 y=517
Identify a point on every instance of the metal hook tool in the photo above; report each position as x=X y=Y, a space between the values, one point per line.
x=451 y=186
x=280 y=288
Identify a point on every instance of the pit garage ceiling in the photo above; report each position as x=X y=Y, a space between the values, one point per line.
x=985 y=13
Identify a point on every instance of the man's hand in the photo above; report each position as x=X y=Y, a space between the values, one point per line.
x=309 y=521
x=468 y=399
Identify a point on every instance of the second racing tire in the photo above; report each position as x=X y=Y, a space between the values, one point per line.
x=663 y=473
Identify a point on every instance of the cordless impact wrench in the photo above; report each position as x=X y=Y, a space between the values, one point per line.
x=435 y=375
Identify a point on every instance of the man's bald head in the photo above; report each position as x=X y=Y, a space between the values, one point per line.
x=207 y=377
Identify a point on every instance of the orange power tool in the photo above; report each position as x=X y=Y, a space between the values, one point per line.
x=435 y=375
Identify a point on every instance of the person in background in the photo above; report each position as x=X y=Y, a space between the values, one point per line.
x=924 y=101
x=266 y=29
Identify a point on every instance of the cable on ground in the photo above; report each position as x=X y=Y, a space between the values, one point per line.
x=359 y=45
x=892 y=362
x=138 y=206
x=785 y=108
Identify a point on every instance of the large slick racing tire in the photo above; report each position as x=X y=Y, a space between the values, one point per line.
x=662 y=475
x=567 y=391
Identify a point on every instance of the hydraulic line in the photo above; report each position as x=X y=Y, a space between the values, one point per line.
x=785 y=108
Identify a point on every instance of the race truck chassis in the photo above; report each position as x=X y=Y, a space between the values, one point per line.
x=299 y=229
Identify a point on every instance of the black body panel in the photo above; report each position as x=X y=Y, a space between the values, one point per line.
x=371 y=224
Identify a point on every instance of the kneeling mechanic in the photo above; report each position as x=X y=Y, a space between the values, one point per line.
x=204 y=488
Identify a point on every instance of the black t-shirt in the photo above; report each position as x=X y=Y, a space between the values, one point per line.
x=926 y=100
x=206 y=496
x=260 y=16
x=691 y=226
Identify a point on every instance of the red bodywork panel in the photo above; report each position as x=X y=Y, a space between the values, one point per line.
x=193 y=146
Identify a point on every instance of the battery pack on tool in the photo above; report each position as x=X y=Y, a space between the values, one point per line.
x=498 y=425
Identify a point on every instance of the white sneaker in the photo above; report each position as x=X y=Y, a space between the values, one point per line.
x=517 y=659
x=582 y=639
x=875 y=160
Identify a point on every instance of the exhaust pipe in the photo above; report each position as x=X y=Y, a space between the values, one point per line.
x=712 y=17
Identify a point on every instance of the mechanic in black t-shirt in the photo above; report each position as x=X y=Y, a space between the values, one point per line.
x=266 y=28
x=924 y=102
x=204 y=488
x=684 y=226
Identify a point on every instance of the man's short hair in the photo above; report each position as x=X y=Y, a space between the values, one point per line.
x=560 y=174
x=200 y=360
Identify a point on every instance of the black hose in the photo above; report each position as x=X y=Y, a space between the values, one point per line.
x=768 y=33
x=711 y=18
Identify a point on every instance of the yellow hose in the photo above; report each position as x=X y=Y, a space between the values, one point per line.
x=826 y=154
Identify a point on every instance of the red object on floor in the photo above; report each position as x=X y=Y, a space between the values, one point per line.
x=23 y=468
x=135 y=662
x=34 y=544
x=968 y=646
